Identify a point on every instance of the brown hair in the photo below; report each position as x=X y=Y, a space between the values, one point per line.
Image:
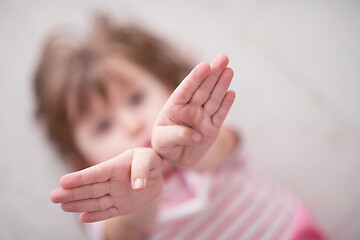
x=70 y=68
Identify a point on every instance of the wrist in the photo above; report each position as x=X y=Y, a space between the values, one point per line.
x=132 y=226
x=120 y=228
x=225 y=144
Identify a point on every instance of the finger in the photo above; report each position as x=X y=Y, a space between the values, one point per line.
x=88 y=217
x=84 y=192
x=168 y=140
x=219 y=117
x=146 y=163
x=98 y=173
x=217 y=95
x=166 y=137
x=88 y=205
x=202 y=94
x=188 y=86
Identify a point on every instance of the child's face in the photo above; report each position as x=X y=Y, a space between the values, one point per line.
x=126 y=120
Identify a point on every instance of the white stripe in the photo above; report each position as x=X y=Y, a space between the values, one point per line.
x=167 y=228
x=273 y=204
x=223 y=178
x=199 y=219
x=291 y=226
x=243 y=217
x=238 y=200
x=229 y=190
x=279 y=220
x=192 y=205
x=95 y=230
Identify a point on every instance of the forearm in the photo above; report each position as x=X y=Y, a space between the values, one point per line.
x=132 y=226
x=119 y=228
x=219 y=152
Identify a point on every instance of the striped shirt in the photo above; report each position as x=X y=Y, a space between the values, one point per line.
x=233 y=202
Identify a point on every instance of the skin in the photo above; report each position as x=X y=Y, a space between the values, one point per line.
x=126 y=120
x=184 y=133
x=191 y=119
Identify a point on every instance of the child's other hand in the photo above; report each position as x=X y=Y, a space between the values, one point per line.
x=190 y=121
x=115 y=187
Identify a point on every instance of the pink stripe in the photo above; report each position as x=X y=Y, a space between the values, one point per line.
x=216 y=212
x=211 y=213
x=230 y=218
x=267 y=223
x=221 y=180
x=168 y=226
x=253 y=217
x=222 y=177
x=285 y=224
x=219 y=228
x=174 y=225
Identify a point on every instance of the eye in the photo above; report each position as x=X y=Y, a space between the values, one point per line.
x=103 y=126
x=136 y=98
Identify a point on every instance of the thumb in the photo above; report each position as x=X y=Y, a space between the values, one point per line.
x=169 y=140
x=146 y=165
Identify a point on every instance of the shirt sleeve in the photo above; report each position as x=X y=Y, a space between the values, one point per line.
x=95 y=230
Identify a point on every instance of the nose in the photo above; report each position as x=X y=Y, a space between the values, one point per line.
x=131 y=122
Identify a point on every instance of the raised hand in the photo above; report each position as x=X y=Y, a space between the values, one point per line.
x=191 y=119
x=115 y=187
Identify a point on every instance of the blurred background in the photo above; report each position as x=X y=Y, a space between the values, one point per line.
x=297 y=78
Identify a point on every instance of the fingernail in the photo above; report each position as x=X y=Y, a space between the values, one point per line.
x=138 y=183
x=196 y=137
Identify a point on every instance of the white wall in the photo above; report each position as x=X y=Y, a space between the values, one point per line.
x=297 y=77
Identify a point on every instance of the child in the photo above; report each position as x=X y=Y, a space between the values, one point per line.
x=174 y=171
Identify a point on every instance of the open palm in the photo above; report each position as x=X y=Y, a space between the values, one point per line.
x=107 y=189
x=190 y=121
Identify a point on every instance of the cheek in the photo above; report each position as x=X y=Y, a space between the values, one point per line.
x=155 y=105
x=160 y=99
x=98 y=149
x=101 y=152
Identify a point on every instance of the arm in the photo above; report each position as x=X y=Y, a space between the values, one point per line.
x=189 y=123
x=131 y=226
x=224 y=146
